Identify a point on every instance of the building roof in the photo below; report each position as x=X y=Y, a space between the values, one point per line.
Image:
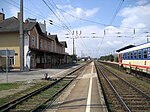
x=124 y=48
x=12 y=24
x=64 y=43
x=1 y=13
x=54 y=37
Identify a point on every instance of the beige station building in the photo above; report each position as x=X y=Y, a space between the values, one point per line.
x=41 y=50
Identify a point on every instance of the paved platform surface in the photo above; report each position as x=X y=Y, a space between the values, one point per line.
x=14 y=76
x=83 y=95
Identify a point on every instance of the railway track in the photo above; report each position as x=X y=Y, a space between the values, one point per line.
x=123 y=96
x=37 y=99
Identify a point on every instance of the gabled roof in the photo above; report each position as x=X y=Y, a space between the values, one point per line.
x=12 y=24
x=29 y=26
x=64 y=43
x=55 y=38
x=124 y=48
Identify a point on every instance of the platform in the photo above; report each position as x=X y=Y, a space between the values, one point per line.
x=83 y=95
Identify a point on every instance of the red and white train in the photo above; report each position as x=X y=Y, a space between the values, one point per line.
x=135 y=57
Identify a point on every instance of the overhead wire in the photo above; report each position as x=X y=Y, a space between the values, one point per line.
x=116 y=12
x=113 y=18
x=57 y=16
x=91 y=21
x=31 y=12
x=17 y=5
x=83 y=44
x=62 y=14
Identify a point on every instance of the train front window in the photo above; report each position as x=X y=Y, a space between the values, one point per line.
x=145 y=53
x=139 y=54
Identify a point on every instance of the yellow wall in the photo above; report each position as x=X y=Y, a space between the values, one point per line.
x=11 y=41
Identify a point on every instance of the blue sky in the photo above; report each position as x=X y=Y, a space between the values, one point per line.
x=89 y=16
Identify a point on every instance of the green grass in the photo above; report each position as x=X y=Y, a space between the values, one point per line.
x=20 y=93
x=7 y=86
x=79 y=62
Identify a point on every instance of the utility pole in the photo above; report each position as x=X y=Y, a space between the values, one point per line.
x=21 y=37
x=74 y=35
x=73 y=47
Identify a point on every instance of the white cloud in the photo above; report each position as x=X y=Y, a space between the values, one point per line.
x=14 y=10
x=91 y=12
x=142 y=2
x=136 y=15
x=133 y=16
x=78 y=11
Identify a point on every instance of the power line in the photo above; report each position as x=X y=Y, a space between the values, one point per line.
x=56 y=16
x=61 y=14
x=90 y=21
x=31 y=12
x=116 y=12
x=15 y=4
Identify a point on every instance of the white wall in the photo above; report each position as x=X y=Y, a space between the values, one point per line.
x=26 y=51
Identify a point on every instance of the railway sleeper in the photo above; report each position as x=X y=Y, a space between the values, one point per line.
x=116 y=102
x=33 y=104
x=135 y=99
x=134 y=102
x=140 y=108
x=35 y=100
x=129 y=94
x=120 y=111
x=139 y=105
x=118 y=107
x=25 y=106
x=19 y=110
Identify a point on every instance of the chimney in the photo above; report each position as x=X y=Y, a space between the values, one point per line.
x=18 y=16
x=26 y=21
x=2 y=17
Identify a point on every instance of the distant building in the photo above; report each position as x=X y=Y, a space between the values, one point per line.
x=40 y=50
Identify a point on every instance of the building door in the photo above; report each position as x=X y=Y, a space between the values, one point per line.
x=32 y=63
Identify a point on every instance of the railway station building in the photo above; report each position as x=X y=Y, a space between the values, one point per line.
x=41 y=50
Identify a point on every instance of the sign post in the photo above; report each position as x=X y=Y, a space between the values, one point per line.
x=6 y=53
x=7 y=65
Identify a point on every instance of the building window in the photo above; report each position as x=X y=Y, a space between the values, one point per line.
x=49 y=47
x=135 y=55
x=11 y=60
x=139 y=54
x=33 y=41
x=40 y=43
x=45 y=44
x=145 y=53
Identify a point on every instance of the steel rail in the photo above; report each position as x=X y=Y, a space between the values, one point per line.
x=15 y=102
x=131 y=85
x=58 y=93
x=115 y=91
